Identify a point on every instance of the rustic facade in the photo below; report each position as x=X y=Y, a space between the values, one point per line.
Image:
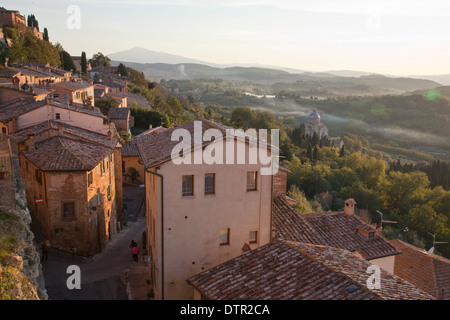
x=71 y=190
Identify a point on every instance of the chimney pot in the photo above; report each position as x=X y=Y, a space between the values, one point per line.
x=31 y=145
x=350 y=207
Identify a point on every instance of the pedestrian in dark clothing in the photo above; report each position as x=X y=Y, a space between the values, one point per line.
x=44 y=251
x=135 y=251
x=133 y=244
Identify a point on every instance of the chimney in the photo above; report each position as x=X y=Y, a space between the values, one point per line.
x=110 y=135
x=150 y=126
x=60 y=129
x=350 y=207
x=31 y=145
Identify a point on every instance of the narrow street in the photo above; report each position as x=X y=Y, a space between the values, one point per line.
x=101 y=276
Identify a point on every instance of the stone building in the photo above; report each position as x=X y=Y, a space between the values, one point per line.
x=70 y=181
x=121 y=118
x=315 y=125
x=11 y=17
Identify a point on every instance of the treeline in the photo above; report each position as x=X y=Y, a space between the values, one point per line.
x=405 y=197
x=438 y=172
x=26 y=47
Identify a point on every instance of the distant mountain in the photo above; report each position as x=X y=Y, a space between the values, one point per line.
x=364 y=85
x=443 y=79
x=142 y=55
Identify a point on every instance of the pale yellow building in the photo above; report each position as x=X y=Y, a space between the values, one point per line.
x=200 y=215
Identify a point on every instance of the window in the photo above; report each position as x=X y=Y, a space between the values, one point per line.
x=57 y=116
x=251 y=180
x=210 y=183
x=90 y=178
x=224 y=237
x=69 y=210
x=102 y=167
x=253 y=237
x=188 y=185
x=38 y=175
x=109 y=193
x=4 y=130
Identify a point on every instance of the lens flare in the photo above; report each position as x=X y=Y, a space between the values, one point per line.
x=432 y=94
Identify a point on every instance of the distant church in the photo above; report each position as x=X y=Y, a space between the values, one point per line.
x=315 y=125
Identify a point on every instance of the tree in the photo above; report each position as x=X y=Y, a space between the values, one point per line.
x=32 y=22
x=243 y=117
x=83 y=63
x=67 y=62
x=45 y=35
x=100 y=60
x=342 y=152
x=122 y=70
x=106 y=103
x=309 y=153
x=316 y=153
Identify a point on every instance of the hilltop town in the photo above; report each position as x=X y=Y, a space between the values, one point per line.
x=90 y=162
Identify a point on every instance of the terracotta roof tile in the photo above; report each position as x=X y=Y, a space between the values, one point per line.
x=427 y=271
x=296 y=271
x=334 y=229
x=129 y=149
x=119 y=113
x=51 y=128
x=156 y=146
x=19 y=106
x=64 y=154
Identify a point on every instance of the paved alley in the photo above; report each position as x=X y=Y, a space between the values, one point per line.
x=102 y=277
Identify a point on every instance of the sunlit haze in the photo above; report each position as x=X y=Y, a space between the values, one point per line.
x=388 y=37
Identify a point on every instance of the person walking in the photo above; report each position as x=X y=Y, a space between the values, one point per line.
x=135 y=251
x=44 y=248
x=133 y=244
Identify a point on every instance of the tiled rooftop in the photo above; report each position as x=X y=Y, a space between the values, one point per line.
x=51 y=128
x=296 y=271
x=334 y=229
x=129 y=149
x=72 y=85
x=16 y=107
x=64 y=154
x=427 y=271
x=156 y=146
x=19 y=106
x=119 y=113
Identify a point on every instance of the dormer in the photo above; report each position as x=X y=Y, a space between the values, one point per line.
x=366 y=231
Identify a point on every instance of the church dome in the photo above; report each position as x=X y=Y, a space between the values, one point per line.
x=314 y=115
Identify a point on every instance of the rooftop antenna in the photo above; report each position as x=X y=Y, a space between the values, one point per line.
x=385 y=221
x=434 y=242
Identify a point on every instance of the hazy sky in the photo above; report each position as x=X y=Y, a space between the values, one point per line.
x=403 y=37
